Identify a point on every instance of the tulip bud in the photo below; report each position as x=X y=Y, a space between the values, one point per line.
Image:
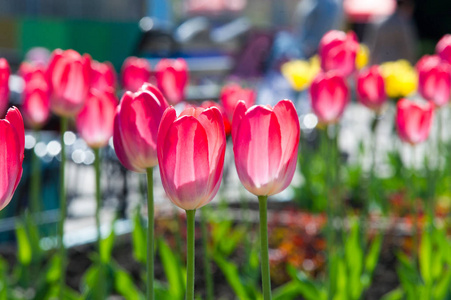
x=371 y=88
x=338 y=52
x=136 y=125
x=172 y=79
x=12 y=142
x=443 y=48
x=96 y=119
x=434 y=79
x=135 y=72
x=265 y=145
x=329 y=95
x=103 y=76
x=414 y=120
x=191 y=151
x=69 y=78
x=36 y=102
x=231 y=94
x=5 y=72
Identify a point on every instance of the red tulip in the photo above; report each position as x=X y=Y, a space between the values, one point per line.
x=69 y=79
x=29 y=72
x=12 y=141
x=135 y=72
x=231 y=94
x=5 y=72
x=338 y=51
x=103 y=76
x=227 y=125
x=414 y=120
x=191 y=151
x=96 y=119
x=329 y=96
x=443 y=48
x=36 y=102
x=172 y=78
x=136 y=127
x=265 y=145
x=434 y=79
x=371 y=88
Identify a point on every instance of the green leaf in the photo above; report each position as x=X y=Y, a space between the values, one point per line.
x=106 y=246
x=124 y=285
x=396 y=294
x=306 y=287
x=234 y=237
x=441 y=289
x=425 y=257
x=139 y=239
x=173 y=270
x=373 y=254
x=23 y=245
x=288 y=291
x=232 y=276
x=354 y=261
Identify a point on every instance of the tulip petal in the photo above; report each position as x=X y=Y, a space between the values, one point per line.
x=240 y=111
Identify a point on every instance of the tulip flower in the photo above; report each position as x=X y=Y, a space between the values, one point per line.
x=265 y=145
x=300 y=73
x=135 y=72
x=69 y=78
x=172 y=79
x=227 y=125
x=135 y=129
x=414 y=120
x=400 y=78
x=36 y=101
x=231 y=94
x=371 y=88
x=29 y=72
x=103 y=76
x=191 y=151
x=329 y=95
x=5 y=72
x=338 y=52
x=96 y=119
x=434 y=79
x=443 y=48
x=12 y=143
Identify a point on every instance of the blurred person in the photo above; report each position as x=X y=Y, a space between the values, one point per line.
x=393 y=37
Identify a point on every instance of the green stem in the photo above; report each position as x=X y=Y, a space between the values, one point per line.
x=101 y=287
x=35 y=179
x=190 y=230
x=150 y=235
x=413 y=196
x=327 y=152
x=266 y=278
x=63 y=208
x=207 y=268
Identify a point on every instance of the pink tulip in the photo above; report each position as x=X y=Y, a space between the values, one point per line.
x=29 y=72
x=338 y=51
x=443 y=48
x=95 y=121
x=227 y=125
x=12 y=142
x=135 y=72
x=434 y=79
x=36 y=102
x=5 y=72
x=172 y=78
x=265 y=145
x=329 y=96
x=69 y=79
x=103 y=76
x=191 y=151
x=136 y=127
x=231 y=94
x=371 y=88
x=414 y=120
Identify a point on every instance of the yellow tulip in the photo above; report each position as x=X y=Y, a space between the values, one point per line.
x=400 y=77
x=300 y=73
x=363 y=57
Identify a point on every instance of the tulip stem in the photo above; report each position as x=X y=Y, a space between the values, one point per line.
x=150 y=235
x=207 y=267
x=63 y=208
x=266 y=279
x=412 y=195
x=35 y=179
x=190 y=220
x=101 y=287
